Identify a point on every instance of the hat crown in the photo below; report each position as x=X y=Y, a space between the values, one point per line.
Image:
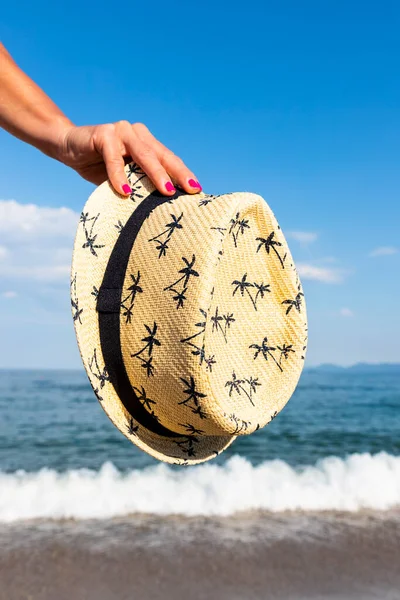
x=207 y=341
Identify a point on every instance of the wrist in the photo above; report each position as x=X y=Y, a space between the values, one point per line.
x=53 y=136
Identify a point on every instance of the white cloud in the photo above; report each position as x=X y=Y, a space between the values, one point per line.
x=38 y=242
x=9 y=294
x=323 y=274
x=304 y=237
x=28 y=221
x=384 y=251
x=346 y=312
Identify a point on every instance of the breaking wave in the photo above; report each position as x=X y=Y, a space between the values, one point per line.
x=360 y=481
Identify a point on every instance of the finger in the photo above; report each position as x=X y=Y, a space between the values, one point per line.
x=145 y=156
x=174 y=165
x=111 y=151
x=179 y=172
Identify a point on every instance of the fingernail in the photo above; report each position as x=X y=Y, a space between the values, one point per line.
x=126 y=189
x=194 y=184
x=169 y=187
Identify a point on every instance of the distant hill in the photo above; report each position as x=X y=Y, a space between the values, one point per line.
x=359 y=368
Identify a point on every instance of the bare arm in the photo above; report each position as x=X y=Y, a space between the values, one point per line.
x=96 y=152
x=26 y=111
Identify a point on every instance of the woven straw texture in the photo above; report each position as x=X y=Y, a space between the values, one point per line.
x=212 y=316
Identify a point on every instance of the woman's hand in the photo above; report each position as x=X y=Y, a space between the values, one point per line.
x=97 y=153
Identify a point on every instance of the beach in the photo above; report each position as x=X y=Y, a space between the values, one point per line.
x=252 y=556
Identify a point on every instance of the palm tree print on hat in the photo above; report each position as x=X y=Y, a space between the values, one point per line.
x=238 y=227
x=162 y=244
x=150 y=341
x=134 y=169
x=266 y=351
x=100 y=374
x=240 y=425
x=90 y=236
x=285 y=350
x=210 y=361
x=208 y=198
x=221 y=231
x=270 y=244
x=132 y=429
x=191 y=429
x=76 y=311
x=238 y=385
x=144 y=399
x=296 y=303
x=217 y=321
x=297 y=275
x=135 y=175
x=193 y=397
x=200 y=351
x=187 y=273
x=128 y=303
x=261 y=290
x=273 y=416
x=244 y=287
x=187 y=444
x=119 y=226
x=304 y=348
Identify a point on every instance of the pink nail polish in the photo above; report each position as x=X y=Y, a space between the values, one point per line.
x=169 y=187
x=194 y=184
x=126 y=189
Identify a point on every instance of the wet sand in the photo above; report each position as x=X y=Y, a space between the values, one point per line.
x=249 y=557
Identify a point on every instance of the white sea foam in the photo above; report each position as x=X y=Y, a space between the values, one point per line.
x=361 y=481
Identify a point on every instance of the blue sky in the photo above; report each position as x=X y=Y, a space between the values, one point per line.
x=298 y=102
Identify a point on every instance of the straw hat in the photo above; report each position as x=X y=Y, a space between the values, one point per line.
x=189 y=315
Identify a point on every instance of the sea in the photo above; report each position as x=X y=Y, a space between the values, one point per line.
x=308 y=507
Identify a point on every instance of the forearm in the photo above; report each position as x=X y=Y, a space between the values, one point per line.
x=27 y=112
